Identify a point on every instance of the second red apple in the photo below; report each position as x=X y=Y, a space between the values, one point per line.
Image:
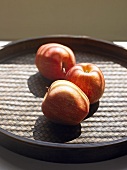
x=89 y=78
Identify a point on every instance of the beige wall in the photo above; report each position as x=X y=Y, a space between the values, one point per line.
x=105 y=19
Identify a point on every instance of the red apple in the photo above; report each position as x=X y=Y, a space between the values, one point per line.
x=65 y=103
x=53 y=60
x=89 y=78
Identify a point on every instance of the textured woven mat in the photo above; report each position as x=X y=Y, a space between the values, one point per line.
x=21 y=93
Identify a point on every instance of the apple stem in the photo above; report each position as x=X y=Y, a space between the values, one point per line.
x=47 y=88
x=63 y=68
x=64 y=71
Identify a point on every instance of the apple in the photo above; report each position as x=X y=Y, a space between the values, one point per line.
x=89 y=78
x=53 y=60
x=65 y=103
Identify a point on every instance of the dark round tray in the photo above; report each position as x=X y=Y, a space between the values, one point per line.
x=25 y=130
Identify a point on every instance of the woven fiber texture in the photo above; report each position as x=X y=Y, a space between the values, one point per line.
x=22 y=90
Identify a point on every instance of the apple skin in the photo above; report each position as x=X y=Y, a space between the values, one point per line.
x=65 y=103
x=89 y=78
x=53 y=60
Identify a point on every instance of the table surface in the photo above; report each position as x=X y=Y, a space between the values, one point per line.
x=12 y=161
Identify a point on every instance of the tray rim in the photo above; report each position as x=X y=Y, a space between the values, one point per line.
x=5 y=133
x=59 y=36
x=105 y=44
x=63 y=36
x=62 y=145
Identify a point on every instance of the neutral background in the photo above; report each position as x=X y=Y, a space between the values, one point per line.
x=104 y=19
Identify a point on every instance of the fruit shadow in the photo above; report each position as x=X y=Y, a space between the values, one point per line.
x=45 y=130
x=38 y=85
x=93 y=109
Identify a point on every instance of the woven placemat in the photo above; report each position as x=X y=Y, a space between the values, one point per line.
x=22 y=90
